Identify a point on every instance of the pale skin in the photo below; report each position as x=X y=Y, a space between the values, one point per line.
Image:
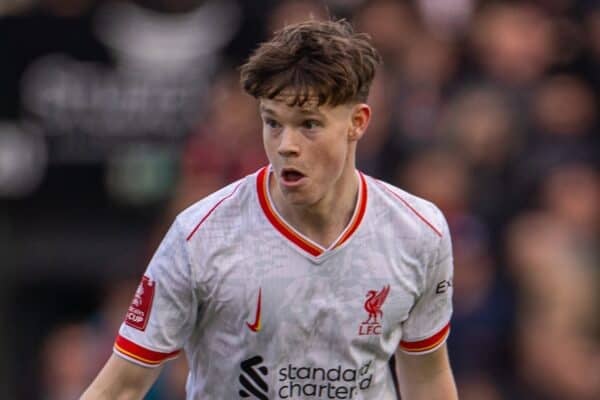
x=120 y=379
x=426 y=376
x=319 y=143
x=316 y=144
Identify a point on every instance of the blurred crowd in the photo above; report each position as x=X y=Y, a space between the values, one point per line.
x=116 y=115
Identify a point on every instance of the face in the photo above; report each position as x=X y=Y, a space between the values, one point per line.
x=311 y=149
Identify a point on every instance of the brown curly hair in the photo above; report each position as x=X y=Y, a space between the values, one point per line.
x=326 y=59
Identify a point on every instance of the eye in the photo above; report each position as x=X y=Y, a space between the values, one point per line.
x=311 y=124
x=271 y=123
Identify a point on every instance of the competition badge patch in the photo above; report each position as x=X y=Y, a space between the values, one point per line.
x=139 y=310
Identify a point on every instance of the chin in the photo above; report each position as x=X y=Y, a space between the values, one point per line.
x=293 y=197
x=296 y=197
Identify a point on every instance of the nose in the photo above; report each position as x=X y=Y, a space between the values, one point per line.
x=288 y=143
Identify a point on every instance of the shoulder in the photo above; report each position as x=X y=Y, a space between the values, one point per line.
x=414 y=213
x=223 y=205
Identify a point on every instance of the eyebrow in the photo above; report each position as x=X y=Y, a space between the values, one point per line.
x=266 y=110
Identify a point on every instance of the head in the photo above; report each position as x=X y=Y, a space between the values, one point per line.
x=312 y=81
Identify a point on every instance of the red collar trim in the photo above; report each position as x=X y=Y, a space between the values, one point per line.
x=290 y=233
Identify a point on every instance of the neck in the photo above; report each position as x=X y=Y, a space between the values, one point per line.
x=324 y=221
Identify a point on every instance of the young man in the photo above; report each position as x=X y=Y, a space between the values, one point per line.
x=302 y=280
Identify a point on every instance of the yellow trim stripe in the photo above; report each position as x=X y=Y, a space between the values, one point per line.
x=292 y=234
x=357 y=216
x=144 y=360
x=428 y=347
x=282 y=222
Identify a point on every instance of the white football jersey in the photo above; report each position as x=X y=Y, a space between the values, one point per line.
x=263 y=312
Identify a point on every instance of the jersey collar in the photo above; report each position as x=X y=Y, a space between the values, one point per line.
x=291 y=234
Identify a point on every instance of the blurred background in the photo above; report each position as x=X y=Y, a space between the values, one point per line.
x=116 y=115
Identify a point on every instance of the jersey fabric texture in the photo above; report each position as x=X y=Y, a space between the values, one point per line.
x=263 y=312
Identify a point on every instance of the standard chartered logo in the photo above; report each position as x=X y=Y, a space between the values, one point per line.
x=298 y=382
x=302 y=382
x=251 y=380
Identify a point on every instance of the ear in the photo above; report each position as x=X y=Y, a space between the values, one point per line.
x=360 y=117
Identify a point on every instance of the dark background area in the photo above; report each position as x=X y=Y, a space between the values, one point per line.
x=116 y=115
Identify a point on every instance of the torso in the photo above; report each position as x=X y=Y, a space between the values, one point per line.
x=320 y=332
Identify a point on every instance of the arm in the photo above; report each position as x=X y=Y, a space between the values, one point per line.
x=426 y=376
x=157 y=324
x=121 y=380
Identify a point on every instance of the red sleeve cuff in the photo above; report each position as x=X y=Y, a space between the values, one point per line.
x=426 y=345
x=141 y=355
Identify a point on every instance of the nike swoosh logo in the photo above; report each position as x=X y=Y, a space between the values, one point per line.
x=255 y=327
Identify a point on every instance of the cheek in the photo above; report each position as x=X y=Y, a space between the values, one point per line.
x=333 y=154
x=268 y=145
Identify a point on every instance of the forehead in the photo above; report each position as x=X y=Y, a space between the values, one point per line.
x=280 y=105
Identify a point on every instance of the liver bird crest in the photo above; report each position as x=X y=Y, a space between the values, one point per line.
x=373 y=304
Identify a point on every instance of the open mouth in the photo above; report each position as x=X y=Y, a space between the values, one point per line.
x=291 y=175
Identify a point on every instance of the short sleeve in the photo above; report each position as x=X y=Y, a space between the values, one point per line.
x=163 y=310
x=428 y=323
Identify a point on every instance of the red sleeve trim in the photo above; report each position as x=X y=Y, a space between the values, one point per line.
x=426 y=344
x=142 y=354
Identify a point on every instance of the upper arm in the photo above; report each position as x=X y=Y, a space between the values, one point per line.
x=121 y=380
x=422 y=363
x=428 y=322
x=157 y=324
x=426 y=376
x=163 y=312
